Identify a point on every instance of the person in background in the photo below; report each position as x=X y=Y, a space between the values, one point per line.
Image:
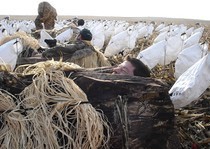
x=133 y=67
x=77 y=23
x=47 y=15
x=80 y=24
x=77 y=26
x=80 y=52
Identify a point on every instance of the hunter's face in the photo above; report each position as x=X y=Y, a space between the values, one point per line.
x=125 y=68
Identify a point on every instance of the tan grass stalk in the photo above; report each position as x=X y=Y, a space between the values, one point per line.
x=58 y=114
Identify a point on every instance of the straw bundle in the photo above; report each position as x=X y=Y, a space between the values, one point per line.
x=36 y=68
x=55 y=114
x=11 y=134
x=27 y=40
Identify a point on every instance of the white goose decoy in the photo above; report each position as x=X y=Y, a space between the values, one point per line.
x=108 y=32
x=125 y=40
x=160 y=26
x=9 y=52
x=162 y=52
x=187 y=57
x=200 y=29
x=189 y=31
x=60 y=25
x=98 y=36
x=161 y=36
x=44 y=35
x=142 y=32
x=120 y=26
x=26 y=26
x=3 y=33
x=180 y=29
x=193 y=39
x=64 y=36
x=150 y=29
x=166 y=28
x=166 y=34
x=191 y=84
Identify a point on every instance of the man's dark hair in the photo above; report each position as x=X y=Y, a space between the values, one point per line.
x=86 y=34
x=80 y=22
x=140 y=68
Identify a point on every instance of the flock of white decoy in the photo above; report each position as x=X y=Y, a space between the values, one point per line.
x=173 y=42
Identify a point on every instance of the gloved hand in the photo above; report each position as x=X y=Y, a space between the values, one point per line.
x=40 y=50
x=51 y=42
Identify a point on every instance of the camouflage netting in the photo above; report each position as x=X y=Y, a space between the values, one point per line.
x=51 y=112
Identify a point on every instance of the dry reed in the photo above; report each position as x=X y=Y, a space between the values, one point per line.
x=53 y=112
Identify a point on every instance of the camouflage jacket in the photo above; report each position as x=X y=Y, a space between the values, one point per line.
x=78 y=49
x=80 y=52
